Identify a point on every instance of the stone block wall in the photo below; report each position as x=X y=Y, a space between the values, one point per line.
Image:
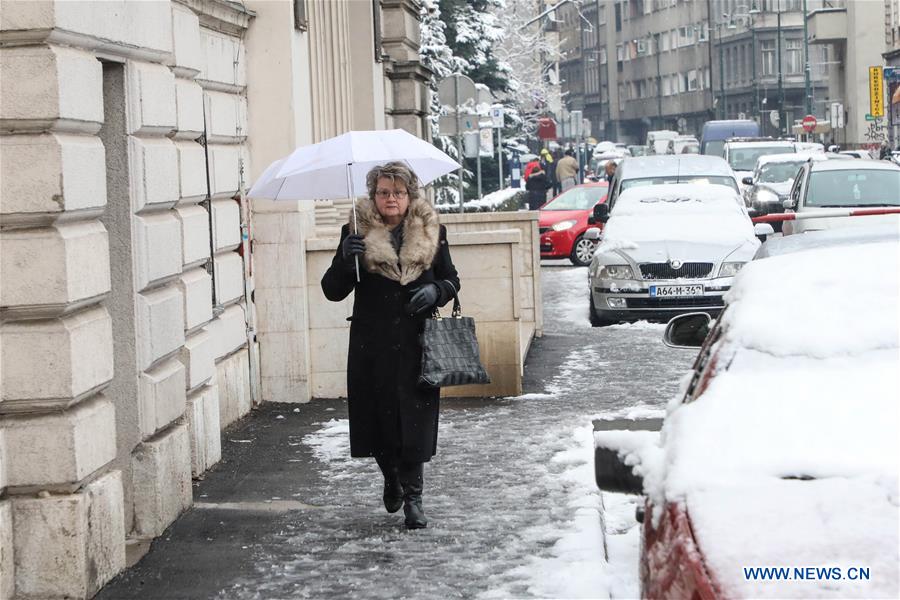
x=123 y=316
x=62 y=523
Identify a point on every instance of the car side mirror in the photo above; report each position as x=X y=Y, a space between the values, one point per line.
x=591 y=220
x=763 y=229
x=747 y=180
x=687 y=331
x=618 y=446
x=593 y=233
x=601 y=213
x=788 y=204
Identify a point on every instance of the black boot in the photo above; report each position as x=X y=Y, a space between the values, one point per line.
x=411 y=477
x=393 y=491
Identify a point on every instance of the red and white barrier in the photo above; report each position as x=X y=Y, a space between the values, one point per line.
x=825 y=214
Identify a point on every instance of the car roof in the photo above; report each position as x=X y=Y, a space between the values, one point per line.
x=858 y=164
x=672 y=165
x=786 y=157
x=754 y=143
x=881 y=232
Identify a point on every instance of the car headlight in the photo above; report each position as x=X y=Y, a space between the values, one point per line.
x=766 y=197
x=730 y=269
x=616 y=272
x=563 y=225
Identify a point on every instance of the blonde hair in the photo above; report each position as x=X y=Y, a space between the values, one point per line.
x=393 y=171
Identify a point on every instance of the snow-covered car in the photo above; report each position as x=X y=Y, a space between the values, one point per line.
x=776 y=471
x=770 y=185
x=857 y=154
x=563 y=221
x=834 y=186
x=656 y=170
x=742 y=154
x=666 y=250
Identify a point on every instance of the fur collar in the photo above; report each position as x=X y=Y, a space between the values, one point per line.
x=421 y=233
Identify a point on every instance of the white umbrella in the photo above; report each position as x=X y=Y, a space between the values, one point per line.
x=337 y=167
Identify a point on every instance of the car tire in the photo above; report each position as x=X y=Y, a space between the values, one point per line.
x=582 y=251
x=596 y=321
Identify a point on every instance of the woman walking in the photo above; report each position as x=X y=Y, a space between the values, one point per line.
x=406 y=272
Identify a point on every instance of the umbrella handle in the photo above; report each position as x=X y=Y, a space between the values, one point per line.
x=356 y=258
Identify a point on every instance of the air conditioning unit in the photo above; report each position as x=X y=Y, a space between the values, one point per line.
x=641 y=47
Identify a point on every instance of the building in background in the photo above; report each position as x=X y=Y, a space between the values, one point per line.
x=892 y=59
x=855 y=32
x=640 y=65
x=136 y=318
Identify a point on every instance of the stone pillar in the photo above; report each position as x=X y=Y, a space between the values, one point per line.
x=408 y=103
x=222 y=80
x=61 y=509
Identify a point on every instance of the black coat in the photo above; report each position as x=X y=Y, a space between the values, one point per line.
x=537 y=186
x=390 y=415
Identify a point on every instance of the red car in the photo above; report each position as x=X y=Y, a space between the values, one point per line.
x=775 y=475
x=564 y=220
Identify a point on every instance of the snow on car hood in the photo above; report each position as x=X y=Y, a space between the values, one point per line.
x=671 y=219
x=792 y=463
x=782 y=188
x=790 y=457
x=837 y=301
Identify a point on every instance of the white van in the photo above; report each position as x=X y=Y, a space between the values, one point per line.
x=658 y=141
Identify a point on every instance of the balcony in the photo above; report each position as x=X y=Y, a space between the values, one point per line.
x=827 y=26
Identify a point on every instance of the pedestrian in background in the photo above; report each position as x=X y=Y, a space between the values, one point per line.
x=610 y=169
x=537 y=186
x=533 y=164
x=557 y=186
x=549 y=167
x=406 y=272
x=567 y=169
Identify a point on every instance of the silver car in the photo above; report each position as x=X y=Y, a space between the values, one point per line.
x=667 y=250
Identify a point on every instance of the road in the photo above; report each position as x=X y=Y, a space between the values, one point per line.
x=512 y=505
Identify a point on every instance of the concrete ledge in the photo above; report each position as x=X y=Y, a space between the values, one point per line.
x=162 y=481
x=60 y=448
x=69 y=372
x=53 y=268
x=203 y=427
x=489 y=217
x=233 y=380
x=7 y=563
x=49 y=174
x=75 y=542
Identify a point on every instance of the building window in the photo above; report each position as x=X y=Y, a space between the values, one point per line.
x=602 y=56
x=618 y=17
x=768 y=57
x=301 y=21
x=692 y=82
x=601 y=14
x=793 y=56
x=620 y=53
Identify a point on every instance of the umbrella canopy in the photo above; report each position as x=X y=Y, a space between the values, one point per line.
x=329 y=169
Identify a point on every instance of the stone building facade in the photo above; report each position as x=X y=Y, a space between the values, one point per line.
x=144 y=304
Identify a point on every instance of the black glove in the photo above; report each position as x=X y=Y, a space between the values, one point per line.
x=353 y=245
x=423 y=299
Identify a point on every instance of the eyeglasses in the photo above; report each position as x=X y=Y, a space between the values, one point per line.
x=388 y=194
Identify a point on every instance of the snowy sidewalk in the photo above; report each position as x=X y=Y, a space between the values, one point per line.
x=512 y=505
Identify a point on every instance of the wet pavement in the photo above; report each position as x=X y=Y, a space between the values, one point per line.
x=512 y=508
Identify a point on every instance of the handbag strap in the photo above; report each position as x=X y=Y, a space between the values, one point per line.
x=457 y=309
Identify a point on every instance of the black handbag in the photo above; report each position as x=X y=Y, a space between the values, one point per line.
x=450 y=351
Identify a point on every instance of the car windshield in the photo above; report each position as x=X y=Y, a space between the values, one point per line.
x=852 y=187
x=579 y=198
x=715 y=148
x=744 y=159
x=701 y=179
x=778 y=172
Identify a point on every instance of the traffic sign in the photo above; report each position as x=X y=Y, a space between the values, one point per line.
x=497 y=115
x=809 y=123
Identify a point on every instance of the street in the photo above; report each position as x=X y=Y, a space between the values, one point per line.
x=512 y=504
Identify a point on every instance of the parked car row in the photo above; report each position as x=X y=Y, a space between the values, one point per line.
x=783 y=448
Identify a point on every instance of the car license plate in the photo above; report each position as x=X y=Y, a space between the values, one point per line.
x=669 y=291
